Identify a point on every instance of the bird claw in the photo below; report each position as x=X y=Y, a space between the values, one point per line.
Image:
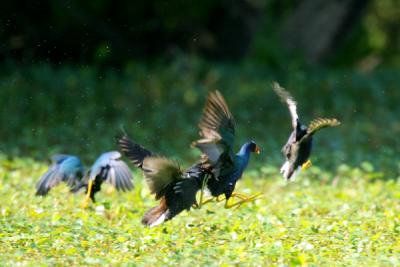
x=85 y=203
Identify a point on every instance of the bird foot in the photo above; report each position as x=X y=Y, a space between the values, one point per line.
x=85 y=203
x=243 y=199
x=306 y=165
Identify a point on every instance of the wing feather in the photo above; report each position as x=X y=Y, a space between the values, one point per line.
x=65 y=168
x=318 y=124
x=159 y=173
x=113 y=170
x=135 y=152
x=217 y=129
x=289 y=100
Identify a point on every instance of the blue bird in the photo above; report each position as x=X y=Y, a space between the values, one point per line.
x=217 y=131
x=108 y=168
x=64 y=168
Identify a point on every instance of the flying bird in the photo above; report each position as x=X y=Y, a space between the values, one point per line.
x=175 y=188
x=64 y=168
x=107 y=168
x=217 y=132
x=298 y=148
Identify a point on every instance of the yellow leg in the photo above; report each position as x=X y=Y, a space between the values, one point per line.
x=239 y=195
x=306 y=165
x=243 y=200
x=211 y=199
x=220 y=198
x=86 y=201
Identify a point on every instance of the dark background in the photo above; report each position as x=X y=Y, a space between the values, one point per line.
x=335 y=32
x=74 y=72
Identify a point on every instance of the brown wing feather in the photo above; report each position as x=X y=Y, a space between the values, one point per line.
x=216 y=117
x=217 y=129
x=318 y=124
x=159 y=173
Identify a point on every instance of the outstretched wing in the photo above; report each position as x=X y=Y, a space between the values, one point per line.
x=288 y=99
x=65 y=168
x=113 y=170
x=176 y=193
x=318 y=124
x=135 y=152
x=217 y=129
x=159 y=173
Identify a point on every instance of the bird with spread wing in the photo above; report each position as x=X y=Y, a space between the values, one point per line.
x=107 y=168
x=175 y=188
x=225 y=168
x=297 y=150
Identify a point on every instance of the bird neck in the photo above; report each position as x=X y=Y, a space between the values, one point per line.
x=244 y=152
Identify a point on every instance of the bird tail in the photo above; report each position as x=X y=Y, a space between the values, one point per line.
x=156 y=215
x=42 y=191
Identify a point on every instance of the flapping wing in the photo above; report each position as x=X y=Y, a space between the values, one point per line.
x=113 y=170
x=65 y=168
x=176 y=193
x=58 y=158
x=135 y=152
x=217 y=129
x=160 y=172
x=288 y=99
x=318 y=124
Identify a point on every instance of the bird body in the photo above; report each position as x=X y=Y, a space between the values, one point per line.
x=65 y=168
x=297 y=153
x=108 y=168
x=176 y=189
x=298 y=148
x=68 y=168
x=226 y=181
x=217 y=131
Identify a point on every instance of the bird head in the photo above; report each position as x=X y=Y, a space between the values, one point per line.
x=252 y=146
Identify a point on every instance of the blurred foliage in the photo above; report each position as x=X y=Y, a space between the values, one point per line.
x=349 y=214
x=105 y=32
x=80 y=110
x=341 y=217
x=376 y=40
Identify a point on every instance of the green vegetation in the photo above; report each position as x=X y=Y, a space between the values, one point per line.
x=343 y=211
x=74 y=75
x=45 y=110
x=352 y=220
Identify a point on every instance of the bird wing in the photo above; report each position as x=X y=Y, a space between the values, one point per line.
x=318 y=124
x=217 y=129
x=135 y=152
x=288 y=99
x=113 y=170
x=58 y=158
x=65 y=168
x=160 y=172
